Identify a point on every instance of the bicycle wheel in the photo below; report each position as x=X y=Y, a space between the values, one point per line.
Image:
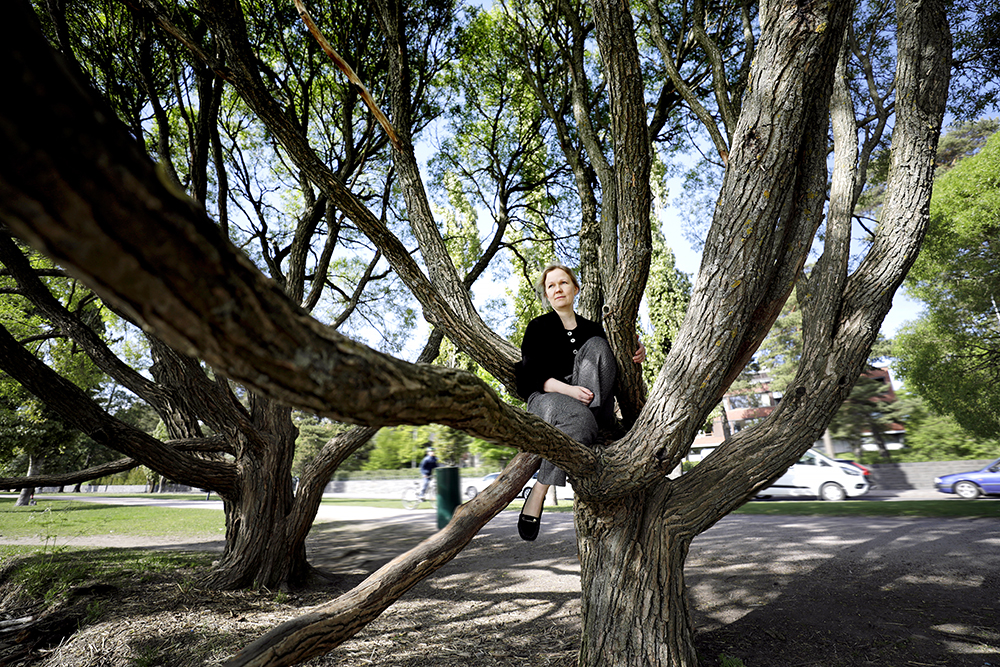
x=410 y=498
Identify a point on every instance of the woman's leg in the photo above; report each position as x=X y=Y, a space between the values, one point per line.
x=575 y=420
x=569 y=416
x=595 y=369
x=533 y=503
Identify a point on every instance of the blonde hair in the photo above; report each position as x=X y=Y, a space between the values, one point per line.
x=540 y=285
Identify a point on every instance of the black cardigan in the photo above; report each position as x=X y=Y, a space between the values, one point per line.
x=548 y=350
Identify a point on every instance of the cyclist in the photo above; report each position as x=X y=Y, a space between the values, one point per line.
x=427 y=466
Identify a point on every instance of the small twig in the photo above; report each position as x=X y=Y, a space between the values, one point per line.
x=351 y=76
x=15 y=624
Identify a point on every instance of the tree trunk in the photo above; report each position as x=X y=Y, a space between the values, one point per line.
x=261 y=549
x=24 y=498
x=828 y=444
x=632 y=543
x=635 y=610
x=28 y=492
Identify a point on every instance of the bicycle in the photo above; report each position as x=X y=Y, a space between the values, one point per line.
x=412 y=498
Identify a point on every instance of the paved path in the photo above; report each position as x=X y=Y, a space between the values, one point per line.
x=775 y=590
x=325 y=513
x=361 y=513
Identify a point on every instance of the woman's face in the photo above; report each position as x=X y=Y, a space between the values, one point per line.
x=559 y=289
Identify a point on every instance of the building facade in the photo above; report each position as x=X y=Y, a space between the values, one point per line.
x=743 y=409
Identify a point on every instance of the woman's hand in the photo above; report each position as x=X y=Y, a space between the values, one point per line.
x=640 y=354
x=581 y=394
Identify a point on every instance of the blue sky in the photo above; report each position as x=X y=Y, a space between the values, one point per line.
x=687 y=260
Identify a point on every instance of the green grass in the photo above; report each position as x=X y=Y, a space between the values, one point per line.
x=50 y=576
x=59 y=520
x=945 y=508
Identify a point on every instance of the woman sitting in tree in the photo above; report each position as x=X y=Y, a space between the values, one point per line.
x=567 y=376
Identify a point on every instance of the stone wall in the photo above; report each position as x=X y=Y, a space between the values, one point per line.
x=907 y=476
x=885 y=476
x=366 y=488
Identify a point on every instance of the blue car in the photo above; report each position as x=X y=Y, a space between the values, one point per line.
x=971 y=485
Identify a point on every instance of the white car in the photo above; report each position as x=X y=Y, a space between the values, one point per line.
x=473 y=489
x=816 y=474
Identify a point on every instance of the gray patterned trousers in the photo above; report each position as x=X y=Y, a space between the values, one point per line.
x=595 y=369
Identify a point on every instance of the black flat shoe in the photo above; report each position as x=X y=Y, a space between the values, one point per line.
x=527 y=526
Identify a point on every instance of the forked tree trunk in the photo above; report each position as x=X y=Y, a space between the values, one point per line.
x=635 y=609
x=34 y=469
x=257 y=553
x=262 y=547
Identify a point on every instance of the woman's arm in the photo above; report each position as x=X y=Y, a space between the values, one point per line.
x=528 y=372
x=581 y=394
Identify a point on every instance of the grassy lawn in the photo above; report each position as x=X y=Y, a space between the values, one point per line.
x=58 y=520
x=944 y=508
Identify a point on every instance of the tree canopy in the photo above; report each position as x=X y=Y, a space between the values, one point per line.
x=934 y=437
x=951 y=354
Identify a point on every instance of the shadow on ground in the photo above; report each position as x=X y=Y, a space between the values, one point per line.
x=848 y=591
x=773 y=591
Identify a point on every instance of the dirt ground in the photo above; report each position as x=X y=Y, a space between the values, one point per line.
x=772 y=591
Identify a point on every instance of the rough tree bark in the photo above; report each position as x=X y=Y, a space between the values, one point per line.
x=260 y=508
x=627 y=245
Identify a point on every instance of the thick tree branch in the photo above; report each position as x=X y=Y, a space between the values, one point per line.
x=205 y=445
x=70 y=325
x=441 y=268
x=830 y=364
x=163 y=19
x=922 y=76
x=349 y=72
x=771 y=201
x=78 y=409
x=185 y=396
x=625 y=286
x=225 y=312
x=681 y=86
x=717 y=61
x=445 y=301
x=318 y=471
x=824 y=288
x=536 y=58
x=66 y=479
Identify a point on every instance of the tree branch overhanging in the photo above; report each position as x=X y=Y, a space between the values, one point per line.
x=253 y=333
x=210 y=445
x=349 y=72
x=78 y=409
x=445 y=301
